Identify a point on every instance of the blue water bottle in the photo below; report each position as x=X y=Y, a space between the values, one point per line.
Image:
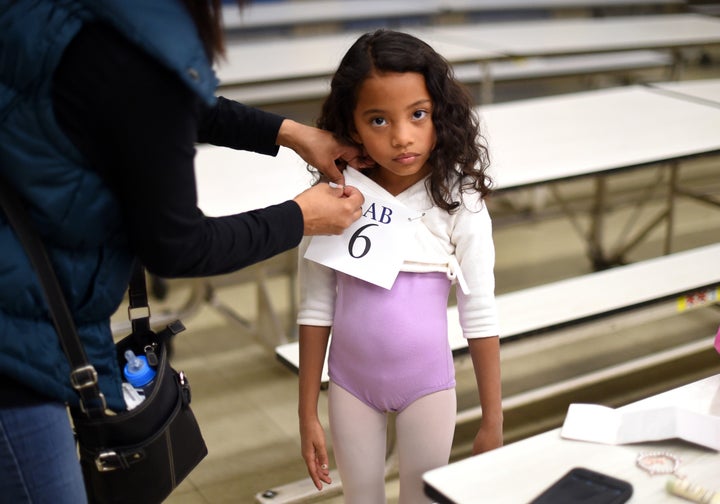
x=138 y=372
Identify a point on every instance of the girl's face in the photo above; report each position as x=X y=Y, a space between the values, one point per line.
x=393 y=121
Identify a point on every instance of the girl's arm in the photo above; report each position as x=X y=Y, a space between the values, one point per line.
x=485 y=354
x=313 y=345
x=472 y=235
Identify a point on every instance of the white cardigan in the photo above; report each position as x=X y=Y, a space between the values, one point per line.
x=459 y=244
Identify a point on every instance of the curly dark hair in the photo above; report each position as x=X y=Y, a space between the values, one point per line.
x=460 y=156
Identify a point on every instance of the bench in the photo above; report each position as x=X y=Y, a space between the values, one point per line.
x=707 y=9
x=314 y=88
x=289 y=18
x=277 y=60
x=543 y=318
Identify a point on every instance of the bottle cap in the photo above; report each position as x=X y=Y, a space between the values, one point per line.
x=137 y=370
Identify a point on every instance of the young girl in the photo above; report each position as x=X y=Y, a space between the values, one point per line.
x=397 y=99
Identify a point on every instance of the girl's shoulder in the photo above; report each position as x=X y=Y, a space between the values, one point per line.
x=469 y=198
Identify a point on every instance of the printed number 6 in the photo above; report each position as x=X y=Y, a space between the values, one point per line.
x=356 y=235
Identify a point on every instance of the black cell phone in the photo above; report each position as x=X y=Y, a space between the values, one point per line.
x=581 y=485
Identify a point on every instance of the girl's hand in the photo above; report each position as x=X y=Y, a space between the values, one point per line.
x=312 y=436
x=488 y=438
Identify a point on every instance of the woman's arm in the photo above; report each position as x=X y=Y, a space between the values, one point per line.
x=136 y=124
x=237 y=126
x=232 y=124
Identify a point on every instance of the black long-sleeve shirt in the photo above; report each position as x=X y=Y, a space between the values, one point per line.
x=137 y=124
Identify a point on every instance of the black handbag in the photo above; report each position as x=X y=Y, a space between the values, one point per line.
x=137 y=456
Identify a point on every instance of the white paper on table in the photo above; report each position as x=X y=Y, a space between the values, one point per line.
x=373 y=247
x=601 y=424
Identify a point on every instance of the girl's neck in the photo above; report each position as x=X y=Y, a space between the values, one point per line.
x=391 y=182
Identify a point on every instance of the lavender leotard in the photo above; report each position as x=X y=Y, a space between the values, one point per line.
x=390 y=347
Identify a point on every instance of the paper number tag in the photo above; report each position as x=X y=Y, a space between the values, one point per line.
x=373 y=247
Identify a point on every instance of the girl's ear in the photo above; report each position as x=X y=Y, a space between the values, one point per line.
x=354 y=135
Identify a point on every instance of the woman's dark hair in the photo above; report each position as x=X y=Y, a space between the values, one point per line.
x=207 y=15
x=459 y=157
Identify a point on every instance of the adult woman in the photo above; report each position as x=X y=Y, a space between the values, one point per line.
x=101 y=102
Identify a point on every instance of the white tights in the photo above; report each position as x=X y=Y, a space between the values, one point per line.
x=424 y=432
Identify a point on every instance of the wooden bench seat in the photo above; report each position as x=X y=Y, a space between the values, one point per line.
x=296 y=90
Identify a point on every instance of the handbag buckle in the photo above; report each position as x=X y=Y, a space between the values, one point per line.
x=83 y=377
x=111 y=460
x=86 y=377
x=96 y=412
x=138 y=312
x=108 y=461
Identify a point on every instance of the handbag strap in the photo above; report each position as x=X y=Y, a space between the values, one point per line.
x=138 y=300
x=83 y=375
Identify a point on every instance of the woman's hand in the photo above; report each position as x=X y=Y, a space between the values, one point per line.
x=329 y=210
x=320 y=149
x=314 y=451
